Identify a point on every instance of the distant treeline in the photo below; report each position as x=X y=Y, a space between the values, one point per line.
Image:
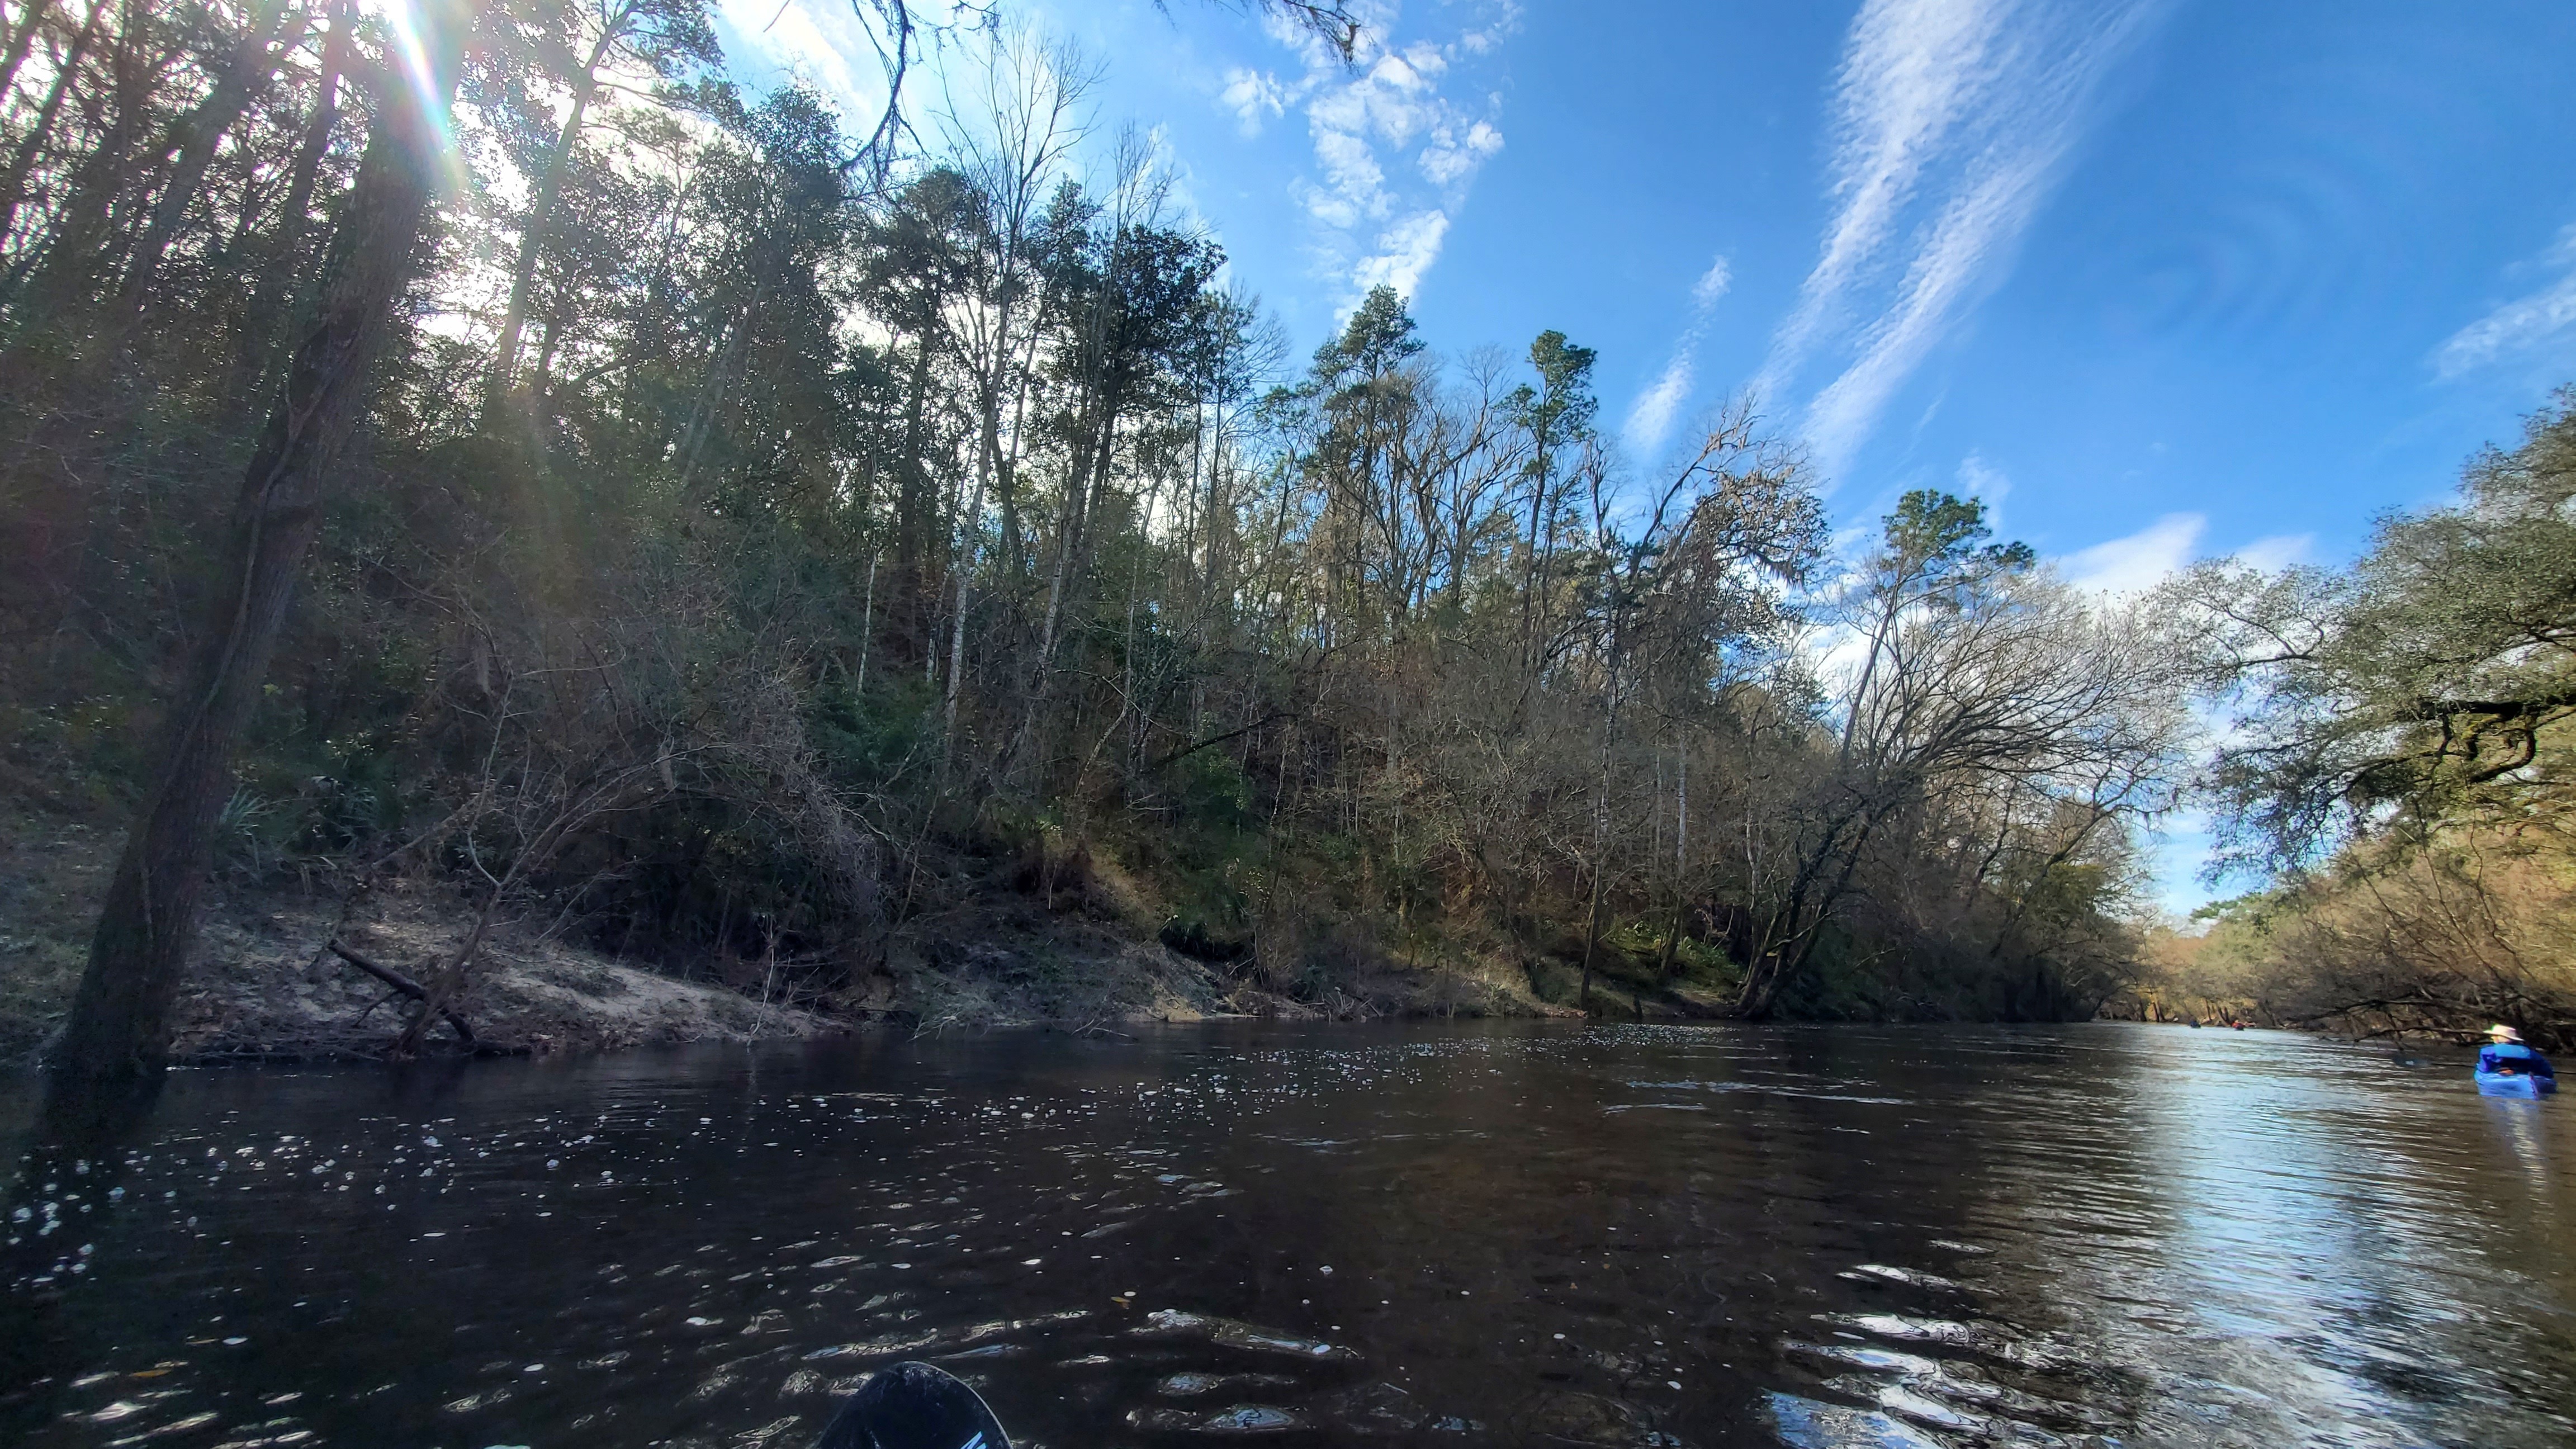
x=2399 y=768
x=728 y=536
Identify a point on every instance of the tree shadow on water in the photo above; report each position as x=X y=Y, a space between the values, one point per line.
x=63 y=1189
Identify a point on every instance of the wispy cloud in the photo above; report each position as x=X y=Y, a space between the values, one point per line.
x=1986 y=483
x=1404 y=252
x=1399 y=136
x=1912 y=71
x=2277 y=552
x=1951 y=122
x=2520 y=326
x=2138 y=562
x=810 y=43
x=1650 y=418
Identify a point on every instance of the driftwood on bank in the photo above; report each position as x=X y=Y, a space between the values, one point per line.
x=405 y=985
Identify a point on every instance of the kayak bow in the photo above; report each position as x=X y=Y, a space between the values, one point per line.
x=913 y=1406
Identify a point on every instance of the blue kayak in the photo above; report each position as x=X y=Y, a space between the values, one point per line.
x=2515 y=1084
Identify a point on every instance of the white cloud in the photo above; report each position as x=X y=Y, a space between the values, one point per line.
x=1326 y=208
x=1911 y=70
x=1952 y=119
x=1404 y=252
x=1399 y=134
x=1650 y=417
x=813 y=44
x=1712 y=284
x=2277 y=552
x=2518 y=326
x=1412 y=71
x=2138 y=562
x=1986 y=483
x=1951 y=271
x=1380 y=220
x=1356 y=184
x=1255 y=97
x=1452 y=157
x=1504 y=16
x=2146 y=558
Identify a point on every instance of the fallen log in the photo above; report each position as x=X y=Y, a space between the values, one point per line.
x=403 y=984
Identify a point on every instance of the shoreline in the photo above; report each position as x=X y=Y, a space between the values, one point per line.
x=268 y=989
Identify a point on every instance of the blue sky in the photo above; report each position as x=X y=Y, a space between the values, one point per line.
x=2158 y=278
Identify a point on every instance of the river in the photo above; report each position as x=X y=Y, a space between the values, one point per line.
x=1490 y=1235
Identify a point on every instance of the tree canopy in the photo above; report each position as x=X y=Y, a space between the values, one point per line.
x=2399 y=751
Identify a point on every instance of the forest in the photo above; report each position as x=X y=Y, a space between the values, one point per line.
x=487 y=458
x=2393 y=767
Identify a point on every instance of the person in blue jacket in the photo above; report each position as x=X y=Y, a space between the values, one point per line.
x=2504 y=1053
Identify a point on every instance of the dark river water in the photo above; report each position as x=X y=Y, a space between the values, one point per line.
x=1622 y=1236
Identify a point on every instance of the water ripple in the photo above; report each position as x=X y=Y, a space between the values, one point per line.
x=1620 y=1236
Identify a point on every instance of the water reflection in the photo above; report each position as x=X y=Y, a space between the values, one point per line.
x=1617 y=1236
x=2522 y=1124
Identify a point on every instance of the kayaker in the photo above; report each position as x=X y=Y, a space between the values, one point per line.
x=2505 y=1055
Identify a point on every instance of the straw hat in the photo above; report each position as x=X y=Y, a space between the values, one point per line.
x=2502 y=1032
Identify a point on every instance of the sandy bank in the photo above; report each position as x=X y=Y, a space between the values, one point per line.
x=265 y=986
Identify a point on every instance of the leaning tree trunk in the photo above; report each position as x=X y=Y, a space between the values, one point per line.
x=258 y=329
x=540 y=224
x=120 y=1018
x=13 y=188
x=265 y=43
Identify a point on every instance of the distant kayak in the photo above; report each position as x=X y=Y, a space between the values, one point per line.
x=2515 y=1084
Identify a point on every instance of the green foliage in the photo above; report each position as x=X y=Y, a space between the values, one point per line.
x=2399 y=766
x=864 y=740
x=1936 y=534
x=1216 y=797
x=1377 y=340
x=2431 y=681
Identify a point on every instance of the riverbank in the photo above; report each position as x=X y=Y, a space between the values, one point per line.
x=265 y=984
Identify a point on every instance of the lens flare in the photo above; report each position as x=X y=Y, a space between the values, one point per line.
x=405 y=27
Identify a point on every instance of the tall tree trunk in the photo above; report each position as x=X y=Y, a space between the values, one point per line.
x=13 y=189
x=1789 y=941
x=1592 y=906
x=1090 y=462
x=988 y=465
x=21 y=43
x=251 y=353
x=1681 y=862
x=1090 y=458
x=70 y=279
x=271 y=35
x=120 y=1019
x=964 y=569
x=912 y=498
x=541 y=219
x=541 y=372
